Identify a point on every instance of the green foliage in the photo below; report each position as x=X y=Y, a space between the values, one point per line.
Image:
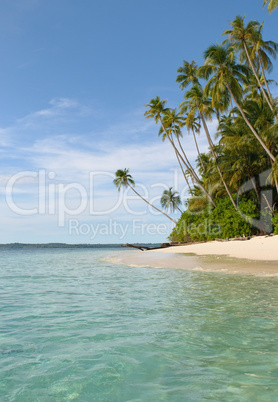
x=275 y=224
x=221 y=222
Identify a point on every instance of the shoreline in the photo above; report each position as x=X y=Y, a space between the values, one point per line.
x=257 y=256
x=259 y=248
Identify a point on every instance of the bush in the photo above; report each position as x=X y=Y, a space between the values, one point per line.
x=221 y=222
x=275 y=224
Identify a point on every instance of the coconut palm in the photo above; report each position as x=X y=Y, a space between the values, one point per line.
x=226 y=80
x=188 y=74
x=172 y=122
x=196 y=103
x=262 y=50
x=170 y=200
x=252 y=89
x=272 y=4
x=241 y=37
x=157 y=110
x=241 y=151
x=192 y=124
x=124 y=179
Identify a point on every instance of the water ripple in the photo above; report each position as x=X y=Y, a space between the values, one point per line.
x=74 y=327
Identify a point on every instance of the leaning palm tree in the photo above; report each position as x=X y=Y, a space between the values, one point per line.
x=124 y=179
x=263 y=49
x=173 y=122
x=272 y=4
x=241 y=37
x=192 y=124
x=252 y=89
x=170 y=200
x=226 y=77
x=157 y=110
x=197 y=103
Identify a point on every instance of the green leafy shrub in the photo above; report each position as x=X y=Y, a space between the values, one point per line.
x=275 y=224
x=221 y=222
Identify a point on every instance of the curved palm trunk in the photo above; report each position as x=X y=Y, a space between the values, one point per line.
x=187 y=160
x=188 y=165
x=250 y=126
x=265 y=80
x=257 y=78
x=151 y=204
x=183 y=172
x=179 y=209
x=215 y=159
x=198 y=151
x=255 y=188
x=191 y=170
x=276 y=182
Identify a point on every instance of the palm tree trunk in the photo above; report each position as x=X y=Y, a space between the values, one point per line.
x=276 y=182
x=191 y=171
x=215 y=159
x=151 y=204
x=265 y=80
x=267 y=203
x=256 y=75
x=250 y=126
x=255 y=188
x=187 y=160
x=183 y=172
x=188 y=165
x=198 y=151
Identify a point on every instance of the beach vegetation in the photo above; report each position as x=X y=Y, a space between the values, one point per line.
x=233 y=186
x=275 y=224
x=220 y=222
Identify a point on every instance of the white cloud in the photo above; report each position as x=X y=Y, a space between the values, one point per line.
x=131 y=142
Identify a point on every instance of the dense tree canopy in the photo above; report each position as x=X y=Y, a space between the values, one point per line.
x=229 y=182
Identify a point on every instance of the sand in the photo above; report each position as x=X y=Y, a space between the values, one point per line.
x=260 y=248
x=257 y=256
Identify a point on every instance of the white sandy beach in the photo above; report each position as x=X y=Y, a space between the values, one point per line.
x=257 y=256
x=261 y=248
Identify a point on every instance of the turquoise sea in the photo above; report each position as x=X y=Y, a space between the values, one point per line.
x=74 y=326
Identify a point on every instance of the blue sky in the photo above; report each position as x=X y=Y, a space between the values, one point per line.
x=74 y=79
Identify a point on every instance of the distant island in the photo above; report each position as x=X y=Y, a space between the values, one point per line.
x=60 y=245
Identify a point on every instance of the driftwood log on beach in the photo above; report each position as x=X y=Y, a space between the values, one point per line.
x=143 y=248
x=176 y=244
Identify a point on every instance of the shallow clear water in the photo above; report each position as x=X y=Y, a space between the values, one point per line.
x=76 y=327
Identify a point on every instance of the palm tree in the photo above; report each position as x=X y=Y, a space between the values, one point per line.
x=157 y=110
x=263 y=49
x=272 y=4
x=252 y=89
x=173 y=121
x=188 y=74
x=192 y=124
x=170 y=200
x=241 y=37
x=226 y=81
x=245 y=157
x=124 y=179
x=196 y=102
